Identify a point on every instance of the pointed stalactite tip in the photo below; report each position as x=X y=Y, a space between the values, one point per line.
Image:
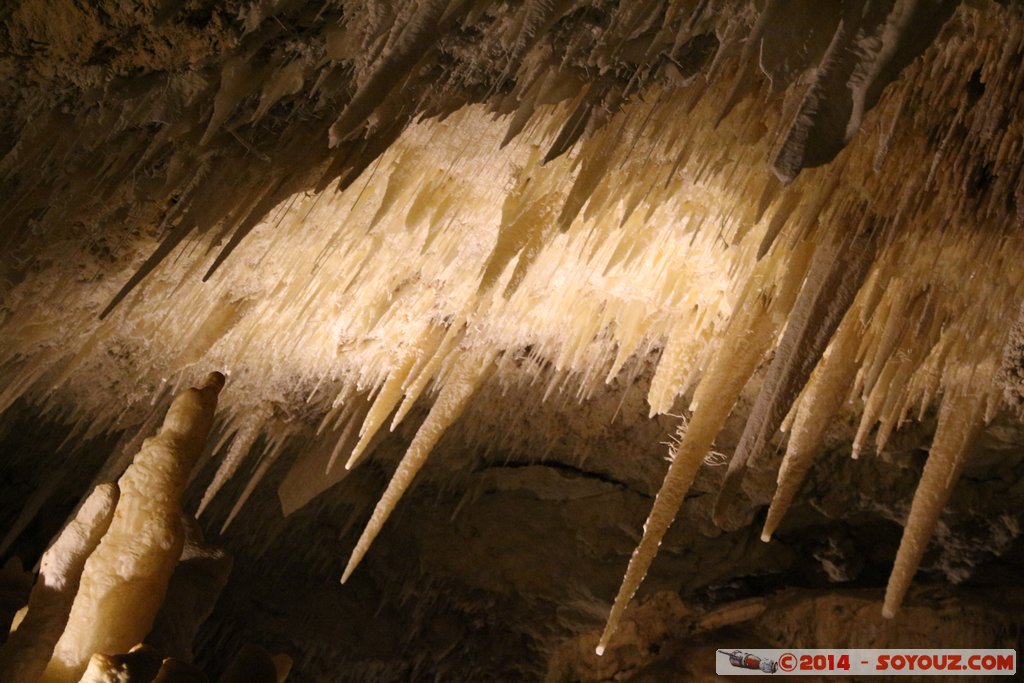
x=348 y=572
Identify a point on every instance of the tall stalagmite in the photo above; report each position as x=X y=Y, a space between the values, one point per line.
x=28 y=649
x=125 y=578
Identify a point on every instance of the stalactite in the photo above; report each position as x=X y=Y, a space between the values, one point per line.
x=829 y=386
x=452 y=337
x=867 y=51
x=746 y=341
x=416 y=37
x=627 y=210
x=167 y=245
x=32 y=506
x=355 y=419
x=679 y=353
x=248 y=431
x=470 y=371
x=316 y=468
x=388 y=397
x=960 y=417
x=269 y=458
x=836 y=275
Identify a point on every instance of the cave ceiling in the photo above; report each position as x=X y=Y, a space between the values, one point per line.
x=493 y=282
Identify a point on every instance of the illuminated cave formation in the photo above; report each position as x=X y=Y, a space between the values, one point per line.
x=473 y=272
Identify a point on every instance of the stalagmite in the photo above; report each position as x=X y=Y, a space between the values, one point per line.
x=138 y=665
x=29 y=647
x=471 y=370
x=126 y=577
x=960 y=418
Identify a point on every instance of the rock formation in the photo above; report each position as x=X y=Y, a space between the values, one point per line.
x=471 y=262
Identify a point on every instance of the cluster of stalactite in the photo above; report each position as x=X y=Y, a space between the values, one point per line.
x=715 y=193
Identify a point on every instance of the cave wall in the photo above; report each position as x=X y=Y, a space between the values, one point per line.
x=168 y=172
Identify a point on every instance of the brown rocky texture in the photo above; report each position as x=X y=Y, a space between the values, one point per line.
x=15 y=586
x=522 y=525
x=516 y=535
x=511 y=544
x=1011 y=372
x=192 y=593
x=181 y=116
x=664 y=640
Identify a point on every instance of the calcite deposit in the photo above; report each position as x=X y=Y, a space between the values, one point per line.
x=778 y=243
